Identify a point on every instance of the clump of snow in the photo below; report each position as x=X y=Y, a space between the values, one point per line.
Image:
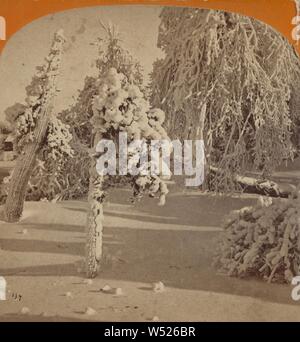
x=158 y=287
x=107 y=289
x=90 y=311
x=25 y=311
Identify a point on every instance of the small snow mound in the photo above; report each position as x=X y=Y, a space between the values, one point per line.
x=106 y=289
x=158 y=287
x=90 y=311
x=119 y=292
x=25 y=311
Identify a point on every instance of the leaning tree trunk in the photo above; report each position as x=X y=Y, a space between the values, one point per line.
x=94 y=227
x=18 y=184
x=25 y=163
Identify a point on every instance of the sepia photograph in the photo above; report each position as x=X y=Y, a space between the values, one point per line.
x=149 y=168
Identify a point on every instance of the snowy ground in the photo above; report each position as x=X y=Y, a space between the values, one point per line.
x=40 y=259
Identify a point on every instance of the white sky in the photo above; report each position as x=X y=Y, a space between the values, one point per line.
x=138 y=26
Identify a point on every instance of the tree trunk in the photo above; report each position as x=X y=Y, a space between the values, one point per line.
x=18 y=185
x=94 y=227
x=200 y=136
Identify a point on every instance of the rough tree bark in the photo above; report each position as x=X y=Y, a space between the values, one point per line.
x=25 y=163
x=22 y=171
x=94 y=233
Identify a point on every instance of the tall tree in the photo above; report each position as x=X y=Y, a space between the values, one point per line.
x=118 y=105
x=244 y=72
x=32 y=126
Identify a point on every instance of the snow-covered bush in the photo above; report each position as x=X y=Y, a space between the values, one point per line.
x=263 y=240
x=5 y=130
x=50 y=172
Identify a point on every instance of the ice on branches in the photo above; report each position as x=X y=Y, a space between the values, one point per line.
x=39 y=92
x=244 y=72
x=111 y=54
x=59 y=139
x=263 y=240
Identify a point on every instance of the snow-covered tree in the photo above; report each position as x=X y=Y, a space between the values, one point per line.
x=118 y=105
x=40 y=137
x=245 y=73
x=111 y=53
